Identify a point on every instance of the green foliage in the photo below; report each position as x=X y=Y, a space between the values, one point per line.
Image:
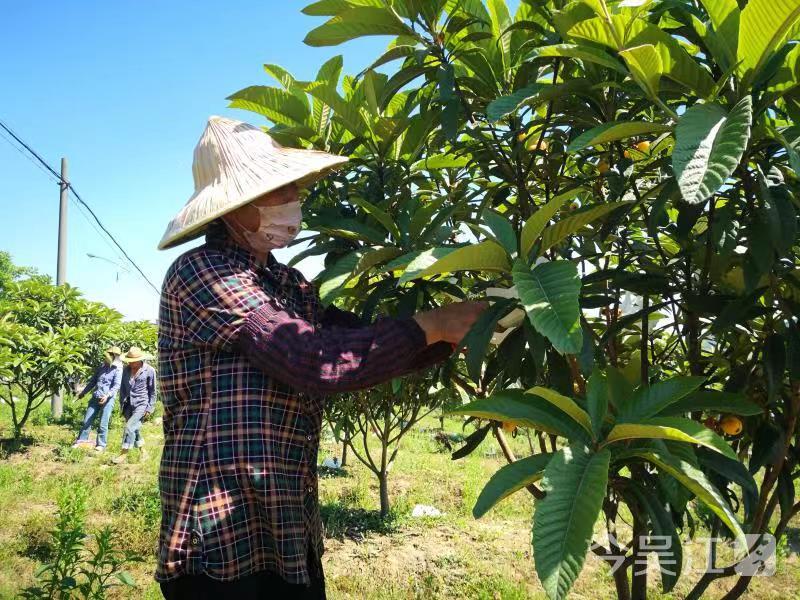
x=80 y=569
x=626 y=173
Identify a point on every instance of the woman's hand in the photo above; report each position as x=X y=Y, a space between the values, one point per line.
x=450 y=323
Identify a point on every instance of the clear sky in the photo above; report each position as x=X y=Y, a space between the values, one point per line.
x=123 y=90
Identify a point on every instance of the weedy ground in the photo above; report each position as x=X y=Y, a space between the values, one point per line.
x=451 y=556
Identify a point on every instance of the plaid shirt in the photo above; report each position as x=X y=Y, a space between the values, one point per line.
x=246 y=356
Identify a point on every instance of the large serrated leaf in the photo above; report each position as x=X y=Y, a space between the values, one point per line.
x=509 y=479
x=525 y=410
x=645 y=65
x=332 y=279
x=662 y=527
x=568 y=405
x=538 y=221
x=612 y=132
x=649 y=401
x=486 y=256
x=278 y=105
x=550 y=293
x=557 y=232
x=763 y=26
x=355 y=23
x=676 y=429
x=696 y=481
x=584 y=53
x=575 y=482
x=713 y=400
x=708 y=147
x=380 y=215
x=724 y=15
x=504 y=105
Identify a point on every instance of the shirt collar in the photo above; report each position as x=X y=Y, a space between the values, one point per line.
x=217 y=237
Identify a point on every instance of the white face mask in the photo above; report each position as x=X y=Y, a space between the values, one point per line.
x=278 y=226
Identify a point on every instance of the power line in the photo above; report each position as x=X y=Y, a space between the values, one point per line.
x=79 y=199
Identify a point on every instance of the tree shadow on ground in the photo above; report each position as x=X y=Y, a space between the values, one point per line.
x=342 y=522
x=15 y=445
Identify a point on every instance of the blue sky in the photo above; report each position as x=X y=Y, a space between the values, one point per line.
x=123 y=90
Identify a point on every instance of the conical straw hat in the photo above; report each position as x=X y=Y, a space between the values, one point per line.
x=235 y=163
x=135 y=354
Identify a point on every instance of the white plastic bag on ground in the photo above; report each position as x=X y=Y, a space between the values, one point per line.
x=423 y=510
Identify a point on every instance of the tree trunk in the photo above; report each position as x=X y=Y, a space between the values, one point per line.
x=345 y=444
x=383 y=481
x=639 y=572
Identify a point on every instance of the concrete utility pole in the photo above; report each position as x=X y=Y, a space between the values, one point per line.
x=57 y=402
x=61 y=272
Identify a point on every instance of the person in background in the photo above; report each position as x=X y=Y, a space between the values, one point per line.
x=138 y=399
x=104 y=385
x=247 y=356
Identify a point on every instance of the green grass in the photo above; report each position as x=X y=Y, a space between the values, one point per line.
x=453 y=556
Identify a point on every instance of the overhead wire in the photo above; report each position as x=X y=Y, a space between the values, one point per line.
x=51 y=171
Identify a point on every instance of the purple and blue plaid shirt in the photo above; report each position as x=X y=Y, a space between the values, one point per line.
x=246 y=357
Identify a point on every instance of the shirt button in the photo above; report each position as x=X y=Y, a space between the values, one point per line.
x=195 y=540
x=310 y=489
x=309 y=437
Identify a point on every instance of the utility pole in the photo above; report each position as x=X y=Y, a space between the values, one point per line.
x=61 y=272
x=57 y=402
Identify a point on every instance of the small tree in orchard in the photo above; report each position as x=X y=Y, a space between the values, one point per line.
x=48 y=335
x=624 y=176
x=377 y=420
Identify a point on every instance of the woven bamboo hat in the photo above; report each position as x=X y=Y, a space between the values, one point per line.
x=235 y=163
x=135 y=354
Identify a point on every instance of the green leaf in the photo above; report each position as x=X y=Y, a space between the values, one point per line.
x=713 y=400
x=611 y=132
x=278 y=105
x=479 y=336
x=645 y=65
x=502 y=229
x=126 y=578
x=708 y=147
x=559 y=231
x=418 y=262
x=440 y=161
x=696 y=481
x=550 y=293
x=724 y=15
x=329 y=8
x=332 y=279
x=568 y=405
x=509 y=479
x=597 y=401
x=662 y=526
x=525 y=410
x=376 y=257
x=575 y=482
x=486 y=256
x=762 y=29
x=381 y=216
x=344 y=111
x=538 y=221
x=584 y=53
x=648 y=401
x=355 y=23
x=676 y=429
x=504 y=105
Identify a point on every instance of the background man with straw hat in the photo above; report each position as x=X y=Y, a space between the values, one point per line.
x=138 y=398
x=104 y=385
x=246 y=358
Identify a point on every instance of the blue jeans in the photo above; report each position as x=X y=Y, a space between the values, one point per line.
x=92 y=409
x=132 y=435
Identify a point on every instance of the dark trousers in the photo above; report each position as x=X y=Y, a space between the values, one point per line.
x=264 y=585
